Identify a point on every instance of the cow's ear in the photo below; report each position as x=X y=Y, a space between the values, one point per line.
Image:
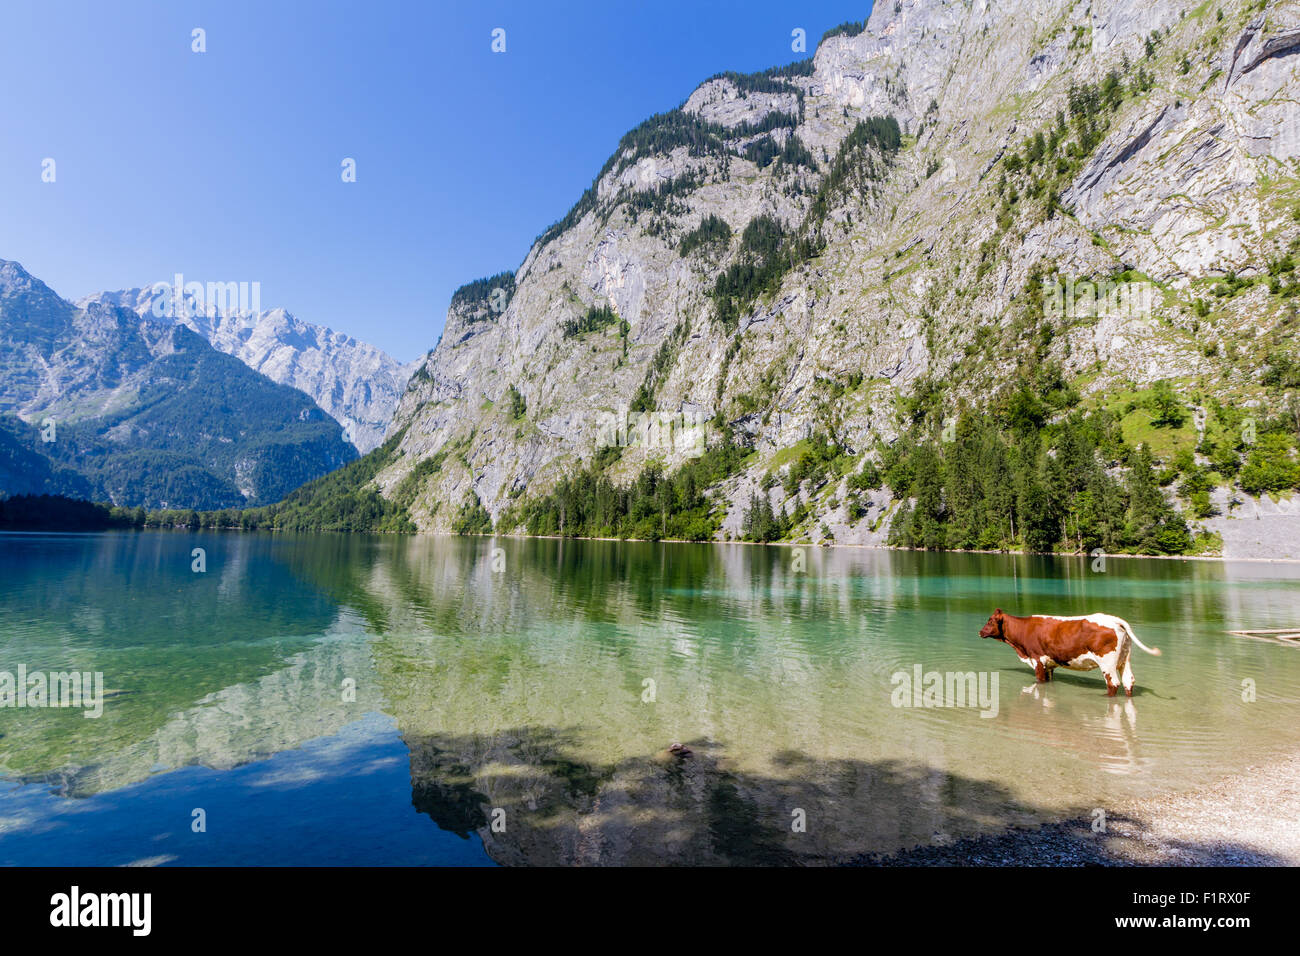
x=997 y=612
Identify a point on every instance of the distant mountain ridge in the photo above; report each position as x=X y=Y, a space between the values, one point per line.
x=358 y=384
x=100 y=402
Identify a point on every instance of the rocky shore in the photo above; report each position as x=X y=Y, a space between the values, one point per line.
x=1246 y=819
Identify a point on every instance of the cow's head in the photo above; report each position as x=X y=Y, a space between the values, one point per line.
x=993 y=627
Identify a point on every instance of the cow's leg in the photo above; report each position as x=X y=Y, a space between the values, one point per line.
x=1040 y=671
x=1123 y=672
x=1112 y=685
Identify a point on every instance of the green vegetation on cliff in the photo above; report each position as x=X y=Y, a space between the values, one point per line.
x=656 y=505
x=768 y=250
x=593 y=320
x=1007 y=481
x=712 y=231
x=492 y=294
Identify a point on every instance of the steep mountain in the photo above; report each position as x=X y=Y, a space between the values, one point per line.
x=359 y=385
x=846 y=267
x=101 y=403
x=25 y=471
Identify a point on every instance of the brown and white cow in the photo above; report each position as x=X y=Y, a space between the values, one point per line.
x=1079 y=643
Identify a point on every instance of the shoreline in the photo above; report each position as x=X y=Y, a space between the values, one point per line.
x=751 y=544
x=864 y=547
x=1247 y=818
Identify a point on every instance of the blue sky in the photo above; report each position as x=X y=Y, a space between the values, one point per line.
x=225 y=165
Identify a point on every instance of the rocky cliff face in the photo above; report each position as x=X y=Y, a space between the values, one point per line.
x=930 y=253
x=358 y=384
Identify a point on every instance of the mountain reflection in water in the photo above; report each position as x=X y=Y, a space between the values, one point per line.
x=535 y=704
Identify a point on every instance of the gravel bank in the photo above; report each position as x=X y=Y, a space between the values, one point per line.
x=1258 y=528
x=1248 y=819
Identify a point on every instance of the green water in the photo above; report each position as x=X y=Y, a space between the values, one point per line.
x=515 y=689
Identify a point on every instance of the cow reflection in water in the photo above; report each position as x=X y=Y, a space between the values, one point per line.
x=1114 y=735
x=1120 y=723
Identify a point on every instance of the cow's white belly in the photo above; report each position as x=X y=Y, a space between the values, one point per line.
x=1088 y=661
x=1044 y=660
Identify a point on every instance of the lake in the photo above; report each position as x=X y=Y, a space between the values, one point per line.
x=336 y=699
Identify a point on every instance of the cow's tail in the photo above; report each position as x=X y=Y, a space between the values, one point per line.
x=1134 y=638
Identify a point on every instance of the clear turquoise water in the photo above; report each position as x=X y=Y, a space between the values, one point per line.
x=516 y=697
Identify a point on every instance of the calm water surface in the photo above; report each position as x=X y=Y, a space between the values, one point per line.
x=348 y=699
